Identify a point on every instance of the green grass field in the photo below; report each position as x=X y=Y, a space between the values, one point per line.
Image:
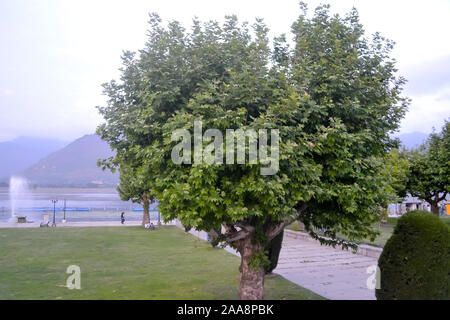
x=123 y=263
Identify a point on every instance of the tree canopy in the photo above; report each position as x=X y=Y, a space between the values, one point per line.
x=396 y=173
x=429 y=177
x=134 y=186
x=333 y=99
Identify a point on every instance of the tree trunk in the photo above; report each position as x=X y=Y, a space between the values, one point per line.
x=274 y=249
x=146 y=215
x=251 y=286
x=434 y=208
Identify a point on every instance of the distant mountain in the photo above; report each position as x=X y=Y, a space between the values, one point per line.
x=74 y=166
x=19 y=154
x=413 y=140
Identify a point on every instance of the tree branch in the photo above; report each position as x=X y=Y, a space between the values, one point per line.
x=231 y=233
x=443 y=196
x=274 y=231
x=233 y=237
x=245 y=226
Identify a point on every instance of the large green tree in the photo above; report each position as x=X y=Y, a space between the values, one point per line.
x=334 y=99
x=134 y=184
x=133 y=187
x=429 y=177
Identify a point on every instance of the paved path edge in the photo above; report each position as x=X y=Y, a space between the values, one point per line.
x=363 y=249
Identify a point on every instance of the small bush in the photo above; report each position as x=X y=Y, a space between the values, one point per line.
x=274 y=249
x=415 y=262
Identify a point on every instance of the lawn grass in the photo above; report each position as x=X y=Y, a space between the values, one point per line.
x=123 y=263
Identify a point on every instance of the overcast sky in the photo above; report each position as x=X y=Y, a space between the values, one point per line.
x=55 y=54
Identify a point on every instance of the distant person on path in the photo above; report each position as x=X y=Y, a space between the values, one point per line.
x=122 y=217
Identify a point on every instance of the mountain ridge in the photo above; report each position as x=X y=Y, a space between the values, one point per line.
x=20 y=153
x=75 y=165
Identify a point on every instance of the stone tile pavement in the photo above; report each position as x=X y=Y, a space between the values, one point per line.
x=332 y=273
x=77 y=224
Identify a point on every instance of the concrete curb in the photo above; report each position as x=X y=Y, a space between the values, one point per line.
x=363 y=249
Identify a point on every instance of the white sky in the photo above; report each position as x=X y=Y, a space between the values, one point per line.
x=55 y=53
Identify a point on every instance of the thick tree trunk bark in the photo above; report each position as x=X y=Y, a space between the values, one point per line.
x=434 y=208
x=251 y=286
x=146 y=215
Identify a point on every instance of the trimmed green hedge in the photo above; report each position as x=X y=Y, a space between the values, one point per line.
x=415 y=262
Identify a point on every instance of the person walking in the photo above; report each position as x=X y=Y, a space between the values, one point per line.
x=122 y=217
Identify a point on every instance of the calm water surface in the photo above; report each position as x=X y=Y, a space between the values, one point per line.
x=81 y=204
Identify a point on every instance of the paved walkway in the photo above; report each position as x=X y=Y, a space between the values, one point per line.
x=77 y=224
x=332 y=273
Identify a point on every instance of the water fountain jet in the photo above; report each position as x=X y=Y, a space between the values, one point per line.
x=18 y=188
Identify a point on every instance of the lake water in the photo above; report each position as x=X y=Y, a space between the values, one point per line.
x=81 y=205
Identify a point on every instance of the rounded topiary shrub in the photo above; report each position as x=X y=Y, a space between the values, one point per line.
x=415 y=262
